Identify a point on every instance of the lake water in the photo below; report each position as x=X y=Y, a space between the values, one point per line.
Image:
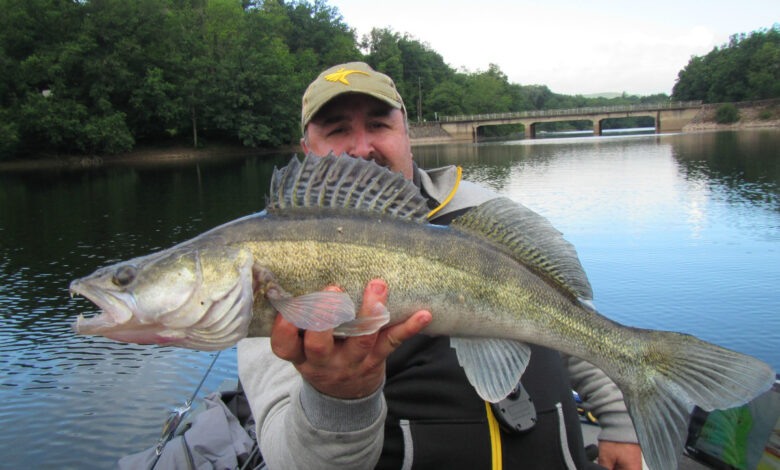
x=677 y=232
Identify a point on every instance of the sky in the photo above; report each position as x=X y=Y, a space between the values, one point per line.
x=573 y=47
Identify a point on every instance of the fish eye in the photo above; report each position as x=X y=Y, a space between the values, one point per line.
x=124 y=275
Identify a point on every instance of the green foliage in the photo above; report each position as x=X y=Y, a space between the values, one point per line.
x=446 y=98
x=628 y=122
x=56 y=124
x=9 y=135
x=747 y=68
x=119 y=72
x=726 y=114
x=501 y=131
x=99 y=76
x=156 y=105
x=415 y=68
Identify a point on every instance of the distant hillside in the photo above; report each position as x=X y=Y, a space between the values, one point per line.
x=607 y=94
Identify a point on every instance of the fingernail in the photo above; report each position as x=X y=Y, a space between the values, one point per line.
x=425 y=319
x=378 y=288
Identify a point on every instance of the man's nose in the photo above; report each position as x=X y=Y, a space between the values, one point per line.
x=361 y=145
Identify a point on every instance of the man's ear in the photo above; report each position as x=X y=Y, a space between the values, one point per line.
x=304 y=146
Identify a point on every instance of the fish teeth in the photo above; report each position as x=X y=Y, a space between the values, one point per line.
x=73 y=291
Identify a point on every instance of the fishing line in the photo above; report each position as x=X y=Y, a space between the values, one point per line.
x=177 y=415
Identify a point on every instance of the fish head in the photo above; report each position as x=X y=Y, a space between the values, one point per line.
x=192 y=296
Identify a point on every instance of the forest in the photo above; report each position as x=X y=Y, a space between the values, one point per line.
x=745 y=69
x=104 y=76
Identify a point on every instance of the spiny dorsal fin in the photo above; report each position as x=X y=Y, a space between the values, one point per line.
x=530 y=239
x=342 y=182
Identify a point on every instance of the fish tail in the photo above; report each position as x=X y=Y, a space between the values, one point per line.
x=683 y=371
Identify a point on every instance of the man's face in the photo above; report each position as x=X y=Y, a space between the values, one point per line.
x=363 y=127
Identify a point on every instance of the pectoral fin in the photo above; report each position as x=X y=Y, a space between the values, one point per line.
x=493 y=366
x=318 y=311
x=365 y=325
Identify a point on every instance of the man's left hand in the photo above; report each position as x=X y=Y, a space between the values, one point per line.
x=620 y=455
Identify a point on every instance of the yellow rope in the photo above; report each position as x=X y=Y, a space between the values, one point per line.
x=495 y=439
x=449 y=198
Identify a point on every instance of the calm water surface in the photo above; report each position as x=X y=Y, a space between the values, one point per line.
x=677 y=232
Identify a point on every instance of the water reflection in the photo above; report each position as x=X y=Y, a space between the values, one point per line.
x=728 y=159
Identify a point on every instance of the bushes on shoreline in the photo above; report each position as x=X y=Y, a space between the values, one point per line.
x=726 y=114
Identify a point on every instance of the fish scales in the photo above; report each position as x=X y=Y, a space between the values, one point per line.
x=465 y=283
x=498 y=278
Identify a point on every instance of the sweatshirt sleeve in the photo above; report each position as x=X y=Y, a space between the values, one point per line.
x=603 y=398
x=300 y=428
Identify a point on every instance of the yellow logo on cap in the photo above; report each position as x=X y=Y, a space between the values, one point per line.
x=341 y=75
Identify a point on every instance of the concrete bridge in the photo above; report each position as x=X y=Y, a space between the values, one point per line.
x=669 y=117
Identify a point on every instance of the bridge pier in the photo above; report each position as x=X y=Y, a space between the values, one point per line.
x=530 y=130
x=461 y=131
x=597 y=126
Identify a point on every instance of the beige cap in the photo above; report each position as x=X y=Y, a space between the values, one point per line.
x=353 y=77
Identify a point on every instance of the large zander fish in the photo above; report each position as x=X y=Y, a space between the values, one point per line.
x=496 y=279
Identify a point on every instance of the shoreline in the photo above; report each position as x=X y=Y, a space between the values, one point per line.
x=738 y=126
x=750 y=117
x=142 y=156
x=182 y=154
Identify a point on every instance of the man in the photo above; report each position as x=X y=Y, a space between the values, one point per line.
x=395 y=399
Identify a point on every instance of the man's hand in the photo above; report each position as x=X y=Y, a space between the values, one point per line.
x=345 y=368
x=620 y=455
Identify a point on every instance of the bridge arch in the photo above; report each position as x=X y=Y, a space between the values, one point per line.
x=671 y=116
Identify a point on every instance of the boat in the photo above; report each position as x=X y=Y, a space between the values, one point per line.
x=221 y=434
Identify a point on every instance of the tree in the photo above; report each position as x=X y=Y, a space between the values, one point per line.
x=763 y=75
x=423 y=69
x=385 y=55
x=317 y=36
x=416 y=69
x=446 y=98
x=487 y=92
x=747 y=68
x=538 y=95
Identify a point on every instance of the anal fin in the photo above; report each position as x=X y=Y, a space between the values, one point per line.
x=364 y=325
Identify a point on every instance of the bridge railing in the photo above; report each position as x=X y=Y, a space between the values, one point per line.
x=573 y=111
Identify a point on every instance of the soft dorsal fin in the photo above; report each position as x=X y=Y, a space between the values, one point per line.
x=342 y=182
x=530 y=239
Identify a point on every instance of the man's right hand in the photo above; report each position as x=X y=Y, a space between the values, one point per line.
x=346 y=368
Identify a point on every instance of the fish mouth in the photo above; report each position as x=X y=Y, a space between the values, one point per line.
x=118 y=321
x=114 y=309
